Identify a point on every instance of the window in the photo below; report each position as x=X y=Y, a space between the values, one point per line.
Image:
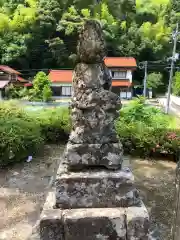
x=56 y=91
x=66 y=91
x=13 y=77
x=119 y=75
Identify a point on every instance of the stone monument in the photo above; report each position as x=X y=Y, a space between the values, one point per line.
x=95 y=197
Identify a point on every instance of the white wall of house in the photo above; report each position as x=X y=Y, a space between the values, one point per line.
x=118 y=73
x=61 y=89
x=129 y=75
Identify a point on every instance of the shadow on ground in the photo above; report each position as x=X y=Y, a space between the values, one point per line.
x=24 y=188
x=155 y=180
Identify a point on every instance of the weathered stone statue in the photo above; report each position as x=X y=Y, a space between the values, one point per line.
x=94 y=198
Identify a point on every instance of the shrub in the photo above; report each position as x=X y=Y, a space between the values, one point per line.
x=12 y=92
x=176 y=86
x=54 y=123
x=47 y=93
x=154 y=80
x=19 y=133
x=41 y=90
x=144 y=130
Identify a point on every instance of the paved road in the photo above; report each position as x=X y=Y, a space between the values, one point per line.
x=174 y=108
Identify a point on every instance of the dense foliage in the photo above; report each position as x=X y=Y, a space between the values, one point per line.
x=176 y=86
x=54 y=123
x=154 y=80
x=143 y=130
x=43 y=34
x=20 y=134
x=41 y=90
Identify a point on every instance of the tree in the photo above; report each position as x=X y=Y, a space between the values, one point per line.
x=154 y=80
x=47 y=93
x=176 y=86
x=41 y=88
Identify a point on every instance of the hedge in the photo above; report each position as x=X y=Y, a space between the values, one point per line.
x=143 y=130
x=20 y=134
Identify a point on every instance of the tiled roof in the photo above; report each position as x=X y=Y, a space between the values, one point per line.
x=28 y=84
x=21 y=79
x=120 y=62
x=61 y=76
x=3 y=84
x=8 y=69
x=121 y=83
x=65 y=76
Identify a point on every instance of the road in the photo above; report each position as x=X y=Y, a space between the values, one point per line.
x=173 y=108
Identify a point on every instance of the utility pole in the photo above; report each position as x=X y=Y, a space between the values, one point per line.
x=145 y=78
x=173 y=59
x=144 y=65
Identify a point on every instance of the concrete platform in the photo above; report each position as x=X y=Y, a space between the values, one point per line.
x=95 y=189
x=92 y=224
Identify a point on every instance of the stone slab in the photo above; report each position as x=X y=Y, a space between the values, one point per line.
x=108 y=155
x=89 y=99
x=138 y=223
x=96 y=135
x=51 y=224
x=95 y=224
x=95 y=189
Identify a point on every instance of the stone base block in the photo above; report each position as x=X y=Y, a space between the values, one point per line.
x=108 y=155
x=137 y=222
x=94 y=224
x=95 y=189
x=51 y=225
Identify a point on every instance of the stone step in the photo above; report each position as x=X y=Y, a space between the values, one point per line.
x=94 y=224
x=95 y=189
x=109 y=155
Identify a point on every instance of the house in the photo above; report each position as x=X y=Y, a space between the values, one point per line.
x=9 y=76
x=121 y=69
x=61 y=82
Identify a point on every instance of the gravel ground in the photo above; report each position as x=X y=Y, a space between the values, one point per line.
x=23 y=190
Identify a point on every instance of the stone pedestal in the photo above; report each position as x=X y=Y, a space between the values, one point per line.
x=94 y=197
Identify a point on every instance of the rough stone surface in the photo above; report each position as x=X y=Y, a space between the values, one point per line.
x=130 y=223
x=99 y=196
x=109 y=155
x=95 y=189
x=93 y=140
x=137 y=223
x=95 y=224
x=91 y=46
x=51 y=225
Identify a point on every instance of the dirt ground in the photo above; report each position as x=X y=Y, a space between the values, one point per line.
x=23 y=190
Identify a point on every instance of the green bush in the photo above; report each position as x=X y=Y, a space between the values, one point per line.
x=145 y=130
x=54 y=123
x=19 y=133
x=41 y=90
x=176 y=85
